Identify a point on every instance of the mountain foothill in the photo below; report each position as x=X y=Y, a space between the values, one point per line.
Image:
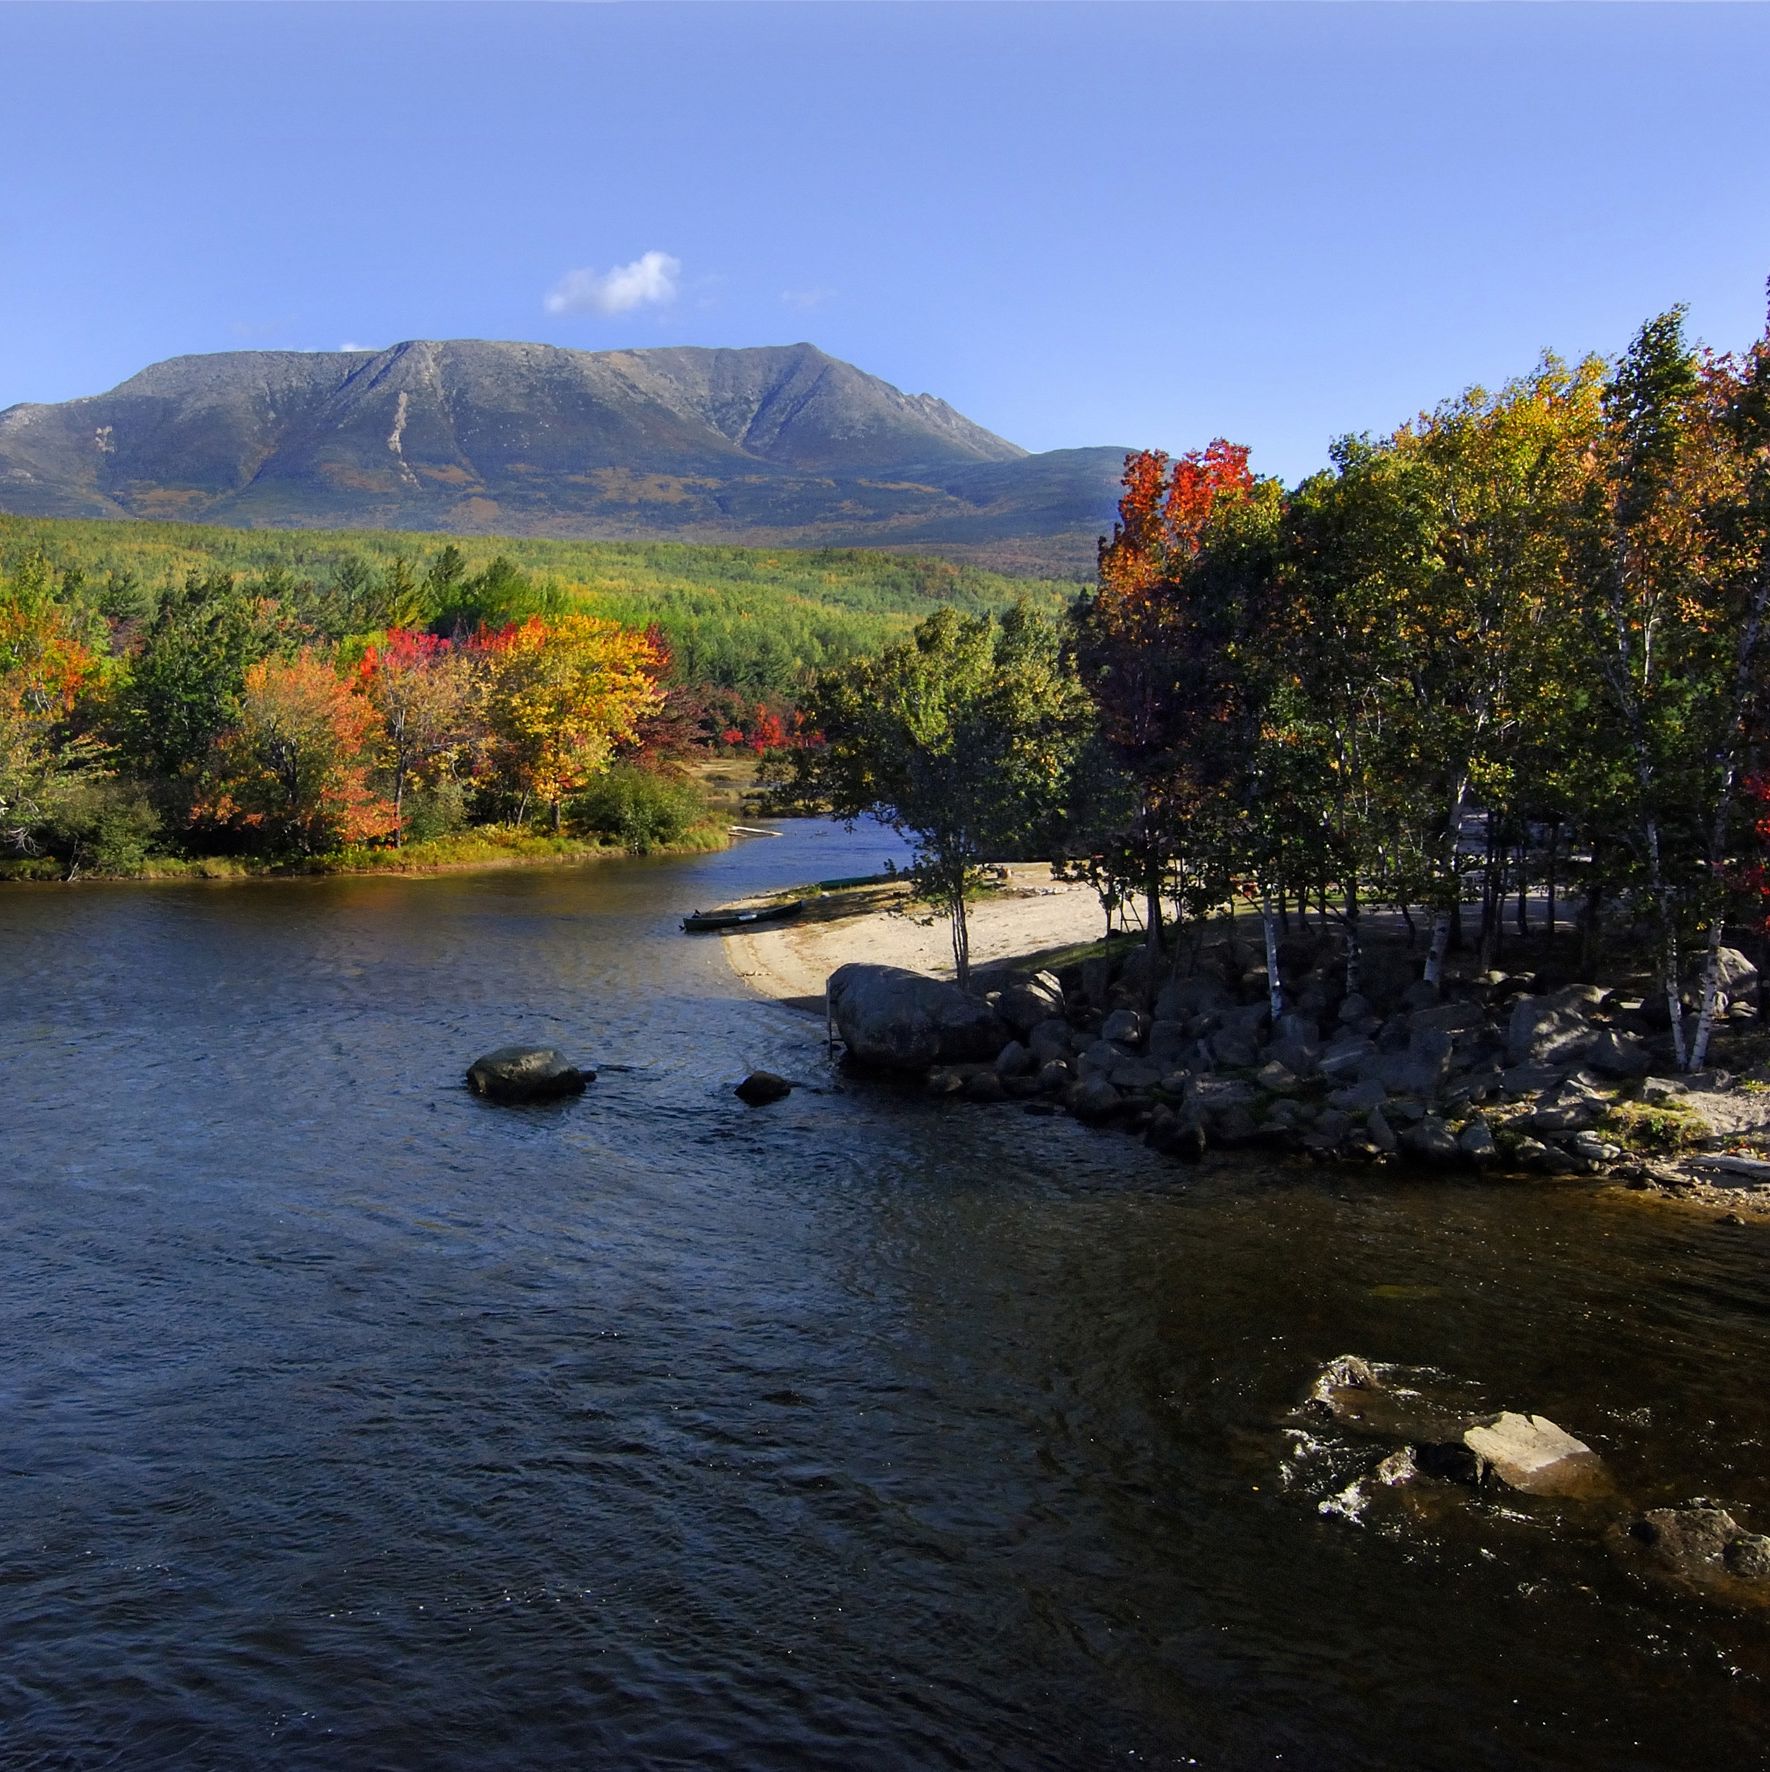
x=776 y=446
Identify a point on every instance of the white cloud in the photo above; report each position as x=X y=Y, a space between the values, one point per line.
x=815 y=297
x=650 y=279
x=348 y=346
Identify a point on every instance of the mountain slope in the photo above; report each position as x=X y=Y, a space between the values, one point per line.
x=774 y=445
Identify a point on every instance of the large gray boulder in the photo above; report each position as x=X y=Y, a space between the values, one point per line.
x=1618 y=1053
x=1027 y=1002
x=896 y=1020
x=1552 y=1029
x=514 y=1074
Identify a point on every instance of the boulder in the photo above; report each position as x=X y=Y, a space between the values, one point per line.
x=1735 y=975
x=1027 y=1002
x=1344 y=1057
x=1183 y=998
x=1049 y=1040
x=1053 y=1076
x=1616 y=1053
x=1531 y=1454
x=1475 y=1141
x=1135 y=1073
x=1176 y=1135
x=514 y=1074
x=1095 y=1101
x=985 y=1086
x=1015 y=1060
x=1590 y=1148
x=1530 y=1079
x=1381 y=1134
x=1446 y=1018
x=1431 y=1141
x=759 y=1088
x=1273 y=1077
x=1417 y=1071
x=1359 y=1098
x=1552 y=1029
x=1125 y=1027
x=893 y=1019
x=1703 y=1539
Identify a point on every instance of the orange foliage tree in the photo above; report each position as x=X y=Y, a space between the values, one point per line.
x=427 y=692
x=295 y=769
x=1141 y=653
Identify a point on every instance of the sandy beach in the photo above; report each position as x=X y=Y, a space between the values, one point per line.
x=789 y=962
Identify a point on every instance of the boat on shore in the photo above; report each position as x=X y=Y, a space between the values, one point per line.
x=697 y=922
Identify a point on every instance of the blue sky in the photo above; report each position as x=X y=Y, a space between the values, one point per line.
x=1133 y=225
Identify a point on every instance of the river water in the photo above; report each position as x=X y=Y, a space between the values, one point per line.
x=349 y=1422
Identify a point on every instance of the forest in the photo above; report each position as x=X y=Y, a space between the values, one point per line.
x=173 y=695
x=1505 y=664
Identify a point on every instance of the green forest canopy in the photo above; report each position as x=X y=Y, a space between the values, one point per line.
x=761 y=620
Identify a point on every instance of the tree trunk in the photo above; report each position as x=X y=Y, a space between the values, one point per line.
x=1705 y=1016
x=1549 y=882
x=1668 y=943
x=1354 y=955
x=1274 y=984
x=1447 y=924
x=399 y=805
x=961 y=932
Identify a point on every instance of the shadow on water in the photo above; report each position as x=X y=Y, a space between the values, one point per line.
x=351 y=1422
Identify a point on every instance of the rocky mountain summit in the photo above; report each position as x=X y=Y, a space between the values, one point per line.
x=779 y=445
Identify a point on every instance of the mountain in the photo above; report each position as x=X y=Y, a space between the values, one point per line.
x=781 y=445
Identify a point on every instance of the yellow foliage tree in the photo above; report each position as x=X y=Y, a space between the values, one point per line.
x=560 y=696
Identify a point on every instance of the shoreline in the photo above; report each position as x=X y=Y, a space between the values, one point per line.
x=236 y=872
x=1036 y=919
x=788 y=963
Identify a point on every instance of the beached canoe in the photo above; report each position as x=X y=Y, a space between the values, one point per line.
x=698 y=921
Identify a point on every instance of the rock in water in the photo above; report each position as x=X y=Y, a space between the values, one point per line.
x=898 y=1020
x=759 y=1088
x=1531 y=1454
x=526 y=1073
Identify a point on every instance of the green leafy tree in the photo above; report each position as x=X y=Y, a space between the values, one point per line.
x=960 y=738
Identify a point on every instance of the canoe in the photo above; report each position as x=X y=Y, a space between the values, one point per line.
x=768 y=913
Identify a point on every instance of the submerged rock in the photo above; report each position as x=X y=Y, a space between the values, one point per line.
x=514 y=1074
x=1703 y=1542
x=759 y=1088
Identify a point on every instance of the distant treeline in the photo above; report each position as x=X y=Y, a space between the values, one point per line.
x=759 y=621
x=175 y=693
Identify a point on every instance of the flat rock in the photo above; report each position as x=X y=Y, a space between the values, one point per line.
x=1531 y=1454
x=515 y=1074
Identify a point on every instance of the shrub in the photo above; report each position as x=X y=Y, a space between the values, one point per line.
x=642 y=809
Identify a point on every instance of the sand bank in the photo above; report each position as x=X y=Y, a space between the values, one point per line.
x=789 y=962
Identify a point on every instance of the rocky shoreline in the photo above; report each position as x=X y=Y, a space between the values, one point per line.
x=1507 y=1072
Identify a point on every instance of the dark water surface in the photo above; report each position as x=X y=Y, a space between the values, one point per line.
x=348 y=1422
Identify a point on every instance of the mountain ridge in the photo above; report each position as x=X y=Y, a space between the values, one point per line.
x=776 y=445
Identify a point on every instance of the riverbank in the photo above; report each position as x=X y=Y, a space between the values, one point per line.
x=1513 y=1073
x=483 y=849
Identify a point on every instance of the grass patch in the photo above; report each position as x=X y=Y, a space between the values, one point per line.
x=1653 y=1128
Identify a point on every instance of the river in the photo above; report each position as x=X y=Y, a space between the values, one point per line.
x=350 y=1422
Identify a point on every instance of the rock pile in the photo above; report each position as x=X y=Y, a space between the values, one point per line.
x=1503 y=1070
